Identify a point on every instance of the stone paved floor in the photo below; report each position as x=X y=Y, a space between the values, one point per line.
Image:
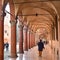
x=32 y=54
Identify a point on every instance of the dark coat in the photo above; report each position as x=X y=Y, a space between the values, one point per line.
x=40 y=46
x=7 y=45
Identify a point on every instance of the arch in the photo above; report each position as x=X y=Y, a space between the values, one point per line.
x=4 y=4
x=47 y=8
x=34 y=27
x=38 y=23
x=46 y=18
x=39 y=16
x=41 y=20
x=12 y=9
x=42 y=9
x=45 y=27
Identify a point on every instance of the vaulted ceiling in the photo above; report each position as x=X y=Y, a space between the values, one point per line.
x=38 y=13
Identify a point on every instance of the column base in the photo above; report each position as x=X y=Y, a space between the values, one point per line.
x=29 y=48
x=25 y=49
x=13 y=56
x=21 y=52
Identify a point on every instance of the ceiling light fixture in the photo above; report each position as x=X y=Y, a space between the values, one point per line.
x=33 y=14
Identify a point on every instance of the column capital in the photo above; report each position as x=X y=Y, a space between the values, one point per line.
x=20 y=24
x=13 y=22
x=2 y=14
x=25 y=27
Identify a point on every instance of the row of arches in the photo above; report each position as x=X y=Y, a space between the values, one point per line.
x=32 y=14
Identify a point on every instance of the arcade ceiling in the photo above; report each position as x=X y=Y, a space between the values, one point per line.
x=38 y=13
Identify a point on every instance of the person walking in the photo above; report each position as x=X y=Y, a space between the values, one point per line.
x=7 y=46
x=40 y=47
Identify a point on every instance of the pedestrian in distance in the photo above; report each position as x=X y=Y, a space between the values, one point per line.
x=40 y=47
x=7 y=46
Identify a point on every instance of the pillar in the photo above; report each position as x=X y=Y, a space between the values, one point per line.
x=33 y=39
x=13 y=38
x=13 y=30
x=1 y=34
x=21 y=37
x=28 y=38
x=52 y=33
x=25 y=38
x=55 y=33
x=56 y=29
x=59 y=31
x=51 y=37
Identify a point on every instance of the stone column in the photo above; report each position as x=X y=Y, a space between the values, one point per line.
x=59 y=31
x=25 y=37
x=55 y=33
x=13 y=38
x=51 y=37
x=1 y=34
x=21 y=37
x=28 y=38
x=33 y=39
x=13 y=29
